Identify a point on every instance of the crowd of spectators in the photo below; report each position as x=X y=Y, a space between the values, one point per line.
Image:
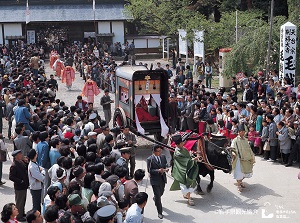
x=75 y=168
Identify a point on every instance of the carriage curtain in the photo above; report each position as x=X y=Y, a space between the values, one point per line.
x=137 y=122
x=164 y=127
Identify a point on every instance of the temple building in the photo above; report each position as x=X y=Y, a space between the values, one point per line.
x=68 y=20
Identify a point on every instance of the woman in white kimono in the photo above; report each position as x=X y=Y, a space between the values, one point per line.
x=243 y=158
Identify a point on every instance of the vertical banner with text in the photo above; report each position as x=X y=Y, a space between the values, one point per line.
x=182 y=42
x=288 y=42
x=183 y=45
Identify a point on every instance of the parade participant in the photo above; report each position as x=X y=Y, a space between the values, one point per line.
x=142 y=112
x=19 y=175
x=90 y=89
x=243 y=158
x=53 y=57
x=58 y=67
x=68 y=76
x=185 y=170
x=130 y=139
x=106 y=101
x=157 y=168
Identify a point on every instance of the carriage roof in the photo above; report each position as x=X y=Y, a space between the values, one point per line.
x=127 y=72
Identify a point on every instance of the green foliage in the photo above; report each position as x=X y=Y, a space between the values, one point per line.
x=249 y=54
x=164 y=17
x=222 y=34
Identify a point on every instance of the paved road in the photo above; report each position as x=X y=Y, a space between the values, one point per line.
x=272 y=192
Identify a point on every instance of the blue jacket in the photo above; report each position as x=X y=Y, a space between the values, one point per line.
x=43 y=158
x=54 y=155
x=22 y=115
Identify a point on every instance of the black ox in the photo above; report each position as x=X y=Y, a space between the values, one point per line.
x=220 y=158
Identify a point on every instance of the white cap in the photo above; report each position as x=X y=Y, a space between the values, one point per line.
x=92 y=134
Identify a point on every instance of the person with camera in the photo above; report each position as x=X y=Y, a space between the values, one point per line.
x=157 y=168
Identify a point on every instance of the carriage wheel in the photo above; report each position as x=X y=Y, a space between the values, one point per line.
x=119 y=119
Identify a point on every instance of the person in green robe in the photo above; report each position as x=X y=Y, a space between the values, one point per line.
x=185 y=170
x=244 y=158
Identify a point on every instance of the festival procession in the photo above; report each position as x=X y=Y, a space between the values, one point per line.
x=96 y=130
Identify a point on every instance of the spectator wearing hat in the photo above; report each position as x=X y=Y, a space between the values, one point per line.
x=182 y=159
x=19 y=175
x=130 y=141
x=9 y=113
x=123 y=160
x=106 y=214
x=243 y=158
x=106 y=101
x=157 y=168
x=82 y=104
x=131 y=186
x=36 y=175
x=134 y=213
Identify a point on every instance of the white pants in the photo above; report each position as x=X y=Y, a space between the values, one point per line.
x=185 y=190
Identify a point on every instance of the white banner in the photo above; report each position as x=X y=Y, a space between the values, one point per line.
x=30 y=36
x=182 y=42
x=287 y=59
x=199 y=44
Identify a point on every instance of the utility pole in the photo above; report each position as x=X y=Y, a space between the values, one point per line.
x=236 y=26
x=270 y=39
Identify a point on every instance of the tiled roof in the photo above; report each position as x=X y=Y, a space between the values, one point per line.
x=58 y=13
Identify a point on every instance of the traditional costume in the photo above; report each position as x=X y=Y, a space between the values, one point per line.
x=53 y=58
x=58 y=67
x=68 y=76
x=185 y=169
x=142 y=112
x=242 y=164
x=90 y=89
